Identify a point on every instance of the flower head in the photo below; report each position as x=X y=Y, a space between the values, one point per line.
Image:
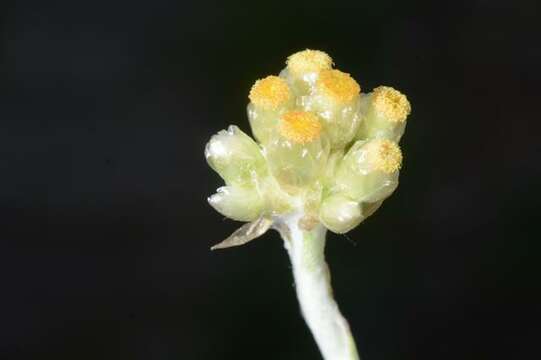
x=324 y=148
x=308 y=61
x=270 y=93
x=383 y=155
x=338 y=86
x=391 y=104
x=385 y=111
x=300 y=126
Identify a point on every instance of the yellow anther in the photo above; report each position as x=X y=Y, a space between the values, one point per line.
x=307 y=61
x=391 y=103
x=339 y=86
x=384 y=155
x=270 y=92
x=300 y=126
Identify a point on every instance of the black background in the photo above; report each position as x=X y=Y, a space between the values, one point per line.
x=105 y=108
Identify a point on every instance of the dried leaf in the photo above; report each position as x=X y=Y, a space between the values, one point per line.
x=245 y=233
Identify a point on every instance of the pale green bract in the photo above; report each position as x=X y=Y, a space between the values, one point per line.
x=326 y=157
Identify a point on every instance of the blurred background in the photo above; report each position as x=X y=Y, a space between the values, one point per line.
x=105 y=109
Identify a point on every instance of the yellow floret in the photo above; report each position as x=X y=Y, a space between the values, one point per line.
x=270 y=92
x=339 y=86
x=391 y=103
x=384 y=155
x=307 y=61
x=300 y=126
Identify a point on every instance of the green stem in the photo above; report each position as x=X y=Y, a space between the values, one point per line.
x=312 y=279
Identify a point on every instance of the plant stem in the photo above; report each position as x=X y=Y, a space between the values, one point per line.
x=312 y=279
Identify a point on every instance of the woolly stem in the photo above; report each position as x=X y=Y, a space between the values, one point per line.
x=312 y=282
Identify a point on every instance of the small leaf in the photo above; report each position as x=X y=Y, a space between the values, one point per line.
x=246 y=233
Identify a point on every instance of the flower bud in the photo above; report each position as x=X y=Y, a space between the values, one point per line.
x=236 y=157
x=269 y=98
x=238 y=203
x=369 y=170
x=335 y=98
x=340 y=214
x=385 y=111
x=297 y=154
x=303 y=67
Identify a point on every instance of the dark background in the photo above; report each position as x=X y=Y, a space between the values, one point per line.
x=105 y=108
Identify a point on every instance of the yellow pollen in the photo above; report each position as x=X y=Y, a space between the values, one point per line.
x=339 y=86
x=300 y=126
x=385 y=155
x=391 y=103
x=308 y=61
x=270 y=92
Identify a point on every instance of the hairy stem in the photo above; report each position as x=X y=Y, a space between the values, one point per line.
x=312 y=282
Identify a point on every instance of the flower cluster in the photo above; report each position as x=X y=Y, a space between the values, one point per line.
x=324 y=148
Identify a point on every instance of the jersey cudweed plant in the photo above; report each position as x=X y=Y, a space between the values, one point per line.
x=325 y=158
